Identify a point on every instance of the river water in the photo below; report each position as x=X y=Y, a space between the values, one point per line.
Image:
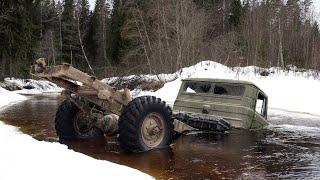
x=287 y=149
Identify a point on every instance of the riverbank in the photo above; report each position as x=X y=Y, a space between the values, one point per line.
x=23 y=157
x=8 y=97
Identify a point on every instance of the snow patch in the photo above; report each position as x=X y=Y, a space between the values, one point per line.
x=31 y=86
x=8 y=97
x=23 y=157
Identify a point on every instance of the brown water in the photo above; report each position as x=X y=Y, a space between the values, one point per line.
x=288 y=149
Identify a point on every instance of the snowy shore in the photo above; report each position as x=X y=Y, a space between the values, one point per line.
x=8 y=97
x=22 y=157
x=31 y=86
x=288 y=90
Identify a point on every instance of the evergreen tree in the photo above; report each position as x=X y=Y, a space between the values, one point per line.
x=236 y=13
x=89 y=41
x=48 y=15
x=48 y=21
x=18 y=36
x=71 y=51
x=117 y=43
x=100 y=22
x=84 y=16
x=206 y=4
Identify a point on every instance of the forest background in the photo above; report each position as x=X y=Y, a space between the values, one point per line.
x=125 y=37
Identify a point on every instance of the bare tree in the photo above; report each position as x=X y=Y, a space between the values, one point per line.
x=81 y=44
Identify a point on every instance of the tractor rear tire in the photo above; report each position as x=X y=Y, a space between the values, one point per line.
x=145 y=124
x=65 y=123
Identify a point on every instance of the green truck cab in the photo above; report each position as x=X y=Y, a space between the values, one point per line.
x=242 y=104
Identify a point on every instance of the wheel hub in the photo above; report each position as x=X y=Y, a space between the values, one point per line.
x=152 y=130
x=83 y=124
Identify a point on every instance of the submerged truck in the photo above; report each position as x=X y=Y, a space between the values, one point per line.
x=242 y=104
x=92 y=108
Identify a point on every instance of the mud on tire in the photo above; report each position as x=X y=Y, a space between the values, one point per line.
x=65 y=125
x=133 y=120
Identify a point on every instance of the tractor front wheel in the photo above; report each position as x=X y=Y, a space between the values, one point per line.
x=145 y=124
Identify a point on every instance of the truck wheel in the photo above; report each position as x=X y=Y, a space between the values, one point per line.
x=71 y=123
x=145 y=124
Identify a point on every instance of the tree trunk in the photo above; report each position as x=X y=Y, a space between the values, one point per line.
x=280 y=58
x=144 y=46
x=52 y=49
x=82 y=48
x=60 y=33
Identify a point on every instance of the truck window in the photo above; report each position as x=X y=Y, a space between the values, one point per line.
x=261 y=105
x=197 y=87
x=229 y=89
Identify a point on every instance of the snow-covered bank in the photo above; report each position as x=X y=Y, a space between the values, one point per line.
x=23 y=157
x=8 y=97
x=288 y=90
x=31 y=86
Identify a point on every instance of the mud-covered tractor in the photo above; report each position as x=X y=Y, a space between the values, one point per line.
x=93 y=108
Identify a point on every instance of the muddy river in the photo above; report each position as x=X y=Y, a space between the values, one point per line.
x=287 y=149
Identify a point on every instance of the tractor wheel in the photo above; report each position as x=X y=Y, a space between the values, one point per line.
x=145 y=124
x=71 y=123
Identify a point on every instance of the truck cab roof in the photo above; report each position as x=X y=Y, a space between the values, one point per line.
x=229 y=81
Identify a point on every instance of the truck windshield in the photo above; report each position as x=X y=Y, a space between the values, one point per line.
x=214 y=88
x=228 y=89
x=261 y=105
x=197 y=87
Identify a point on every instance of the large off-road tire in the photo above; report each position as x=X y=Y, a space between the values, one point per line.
x=145 y=124
x=67 y=121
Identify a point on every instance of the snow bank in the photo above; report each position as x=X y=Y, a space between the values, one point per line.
x=31 y=86
x=8 y=97
x=288 y=90
x=23 y=157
